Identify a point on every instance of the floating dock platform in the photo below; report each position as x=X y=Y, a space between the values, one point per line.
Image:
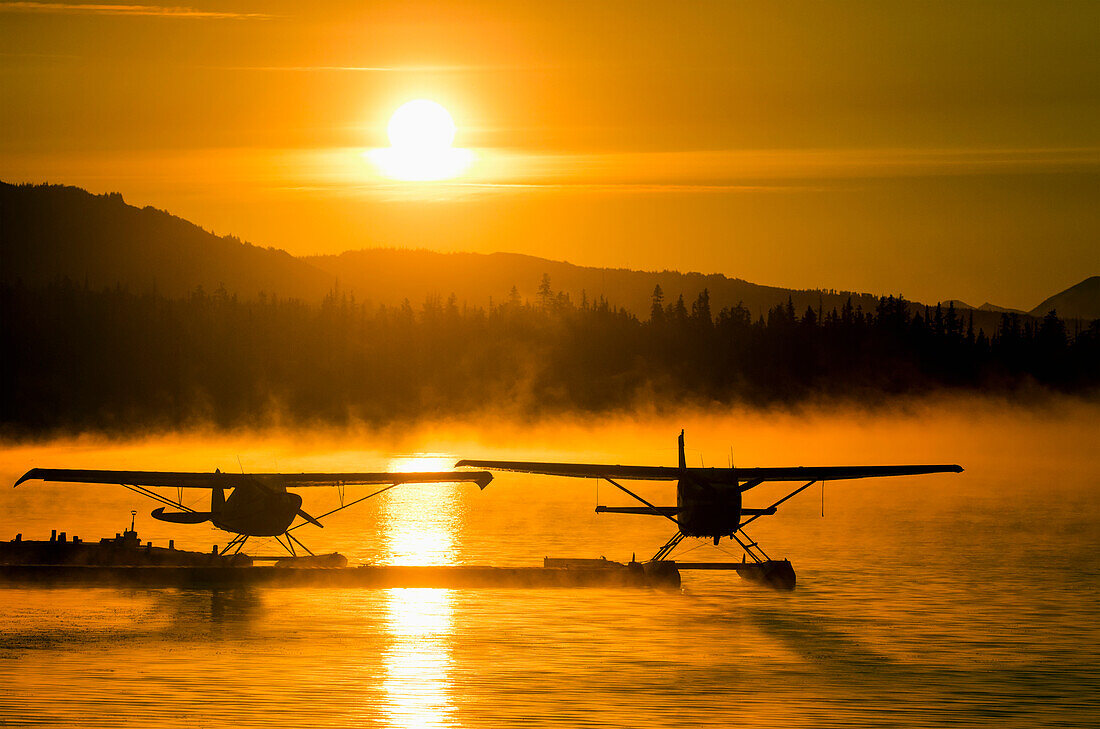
x=125 y=561
x=339 y=577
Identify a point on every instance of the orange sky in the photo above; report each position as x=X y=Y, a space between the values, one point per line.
x=939 y=150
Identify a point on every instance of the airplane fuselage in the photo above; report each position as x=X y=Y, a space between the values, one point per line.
x=707 y=509
x=256 y=511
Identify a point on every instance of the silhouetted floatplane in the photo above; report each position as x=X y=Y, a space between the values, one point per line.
x=259 y=504
x=709 y=503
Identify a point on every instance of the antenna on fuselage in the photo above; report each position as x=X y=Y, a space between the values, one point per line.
x=683 y=458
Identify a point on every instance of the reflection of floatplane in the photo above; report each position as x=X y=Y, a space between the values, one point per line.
x=259 y=504
x=709 y=502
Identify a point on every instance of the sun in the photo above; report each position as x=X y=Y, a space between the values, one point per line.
x=421 y=125
x=421 y=133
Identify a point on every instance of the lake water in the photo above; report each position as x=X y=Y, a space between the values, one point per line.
x=964 y=600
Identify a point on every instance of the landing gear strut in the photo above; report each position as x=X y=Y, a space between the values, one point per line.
x=670 y=545
x=751 y=548
x=290 y=542
x=237 y=541
x=777 y=574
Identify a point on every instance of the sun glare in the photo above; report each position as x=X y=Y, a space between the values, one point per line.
x=421 y=133
x=422 y=462
x=421 y=520
x=421 y=125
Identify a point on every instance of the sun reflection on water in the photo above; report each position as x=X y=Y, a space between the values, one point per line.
x=419 y=521
x=419 y=525
x=418 y=661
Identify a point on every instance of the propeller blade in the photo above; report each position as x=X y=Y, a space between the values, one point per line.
x=310 y=519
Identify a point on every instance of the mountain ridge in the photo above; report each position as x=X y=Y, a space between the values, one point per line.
x=57 y=231
x=1081 y=301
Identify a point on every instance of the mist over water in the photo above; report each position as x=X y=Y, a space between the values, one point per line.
x=967 y=599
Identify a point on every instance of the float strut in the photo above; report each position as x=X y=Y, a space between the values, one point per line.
x=237 y=541
x=669 y=546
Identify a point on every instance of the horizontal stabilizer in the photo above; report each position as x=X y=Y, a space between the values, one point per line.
x=181 y=517
x=644 y=510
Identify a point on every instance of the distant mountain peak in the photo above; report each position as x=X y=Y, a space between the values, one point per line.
x=1080 y=301
x=56 y=231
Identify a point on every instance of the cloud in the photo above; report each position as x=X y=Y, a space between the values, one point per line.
x=162 y=11
x=39 y=55
x=716 y=170
x=451 y=68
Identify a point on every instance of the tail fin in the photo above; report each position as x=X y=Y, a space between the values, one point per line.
x=683 y=459
x=217 y=498
x=736 y=483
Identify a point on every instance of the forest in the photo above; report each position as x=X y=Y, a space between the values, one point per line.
x=80 y=359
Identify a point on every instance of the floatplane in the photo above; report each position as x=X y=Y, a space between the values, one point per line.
x=709 y=502
x=258 y=505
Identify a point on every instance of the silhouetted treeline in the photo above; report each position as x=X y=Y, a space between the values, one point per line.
x=76 y=358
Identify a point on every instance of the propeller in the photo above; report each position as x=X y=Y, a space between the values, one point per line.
x=302 y=513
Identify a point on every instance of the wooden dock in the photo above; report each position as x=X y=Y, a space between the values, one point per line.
x=390 y=576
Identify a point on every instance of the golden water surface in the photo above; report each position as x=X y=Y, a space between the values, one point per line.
x=965 y=599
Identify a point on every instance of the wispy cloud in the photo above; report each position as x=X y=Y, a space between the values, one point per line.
x=163 y=11
x=627 y=187
x=39 y=55
x=440 y=68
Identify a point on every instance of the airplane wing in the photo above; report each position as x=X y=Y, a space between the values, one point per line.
x=229 y=480
x=833 y=473
x=583 y=470
x=299 y=480
x=753 y=476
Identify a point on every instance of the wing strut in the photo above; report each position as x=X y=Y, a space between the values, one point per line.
x=656 y=510
x=157 y=497
x=341 y=508
x=771 y=508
